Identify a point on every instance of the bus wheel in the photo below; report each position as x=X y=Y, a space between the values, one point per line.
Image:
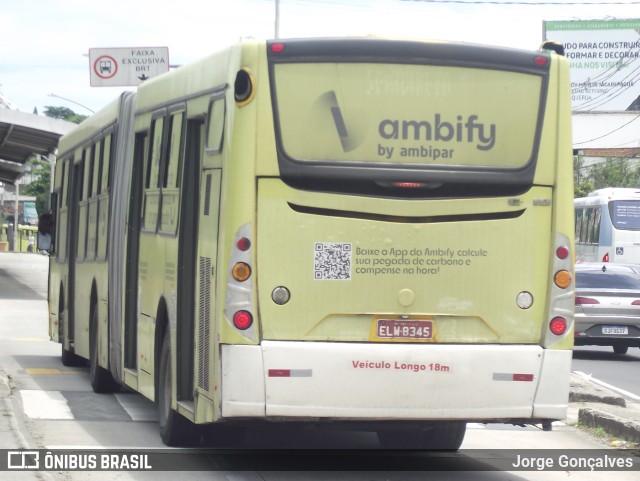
x=217 y=436
x=68 y=358
x=620 y=348
x=175 y=429
x=101 y=380
x=390 y=438
x=448 y=437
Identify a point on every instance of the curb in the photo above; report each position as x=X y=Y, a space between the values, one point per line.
x=5 y=387
x=606 y=409
x=613 y=424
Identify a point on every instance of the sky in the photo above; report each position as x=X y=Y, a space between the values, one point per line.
x=44 y=44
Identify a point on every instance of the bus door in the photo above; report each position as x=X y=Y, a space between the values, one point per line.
x=77 y=182
x=133 y=252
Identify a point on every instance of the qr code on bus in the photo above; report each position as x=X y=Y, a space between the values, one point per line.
x=332 y=261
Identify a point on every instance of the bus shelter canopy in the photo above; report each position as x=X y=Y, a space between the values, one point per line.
x=24 y=135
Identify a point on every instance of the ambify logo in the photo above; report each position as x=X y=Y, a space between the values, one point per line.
x=329 y=100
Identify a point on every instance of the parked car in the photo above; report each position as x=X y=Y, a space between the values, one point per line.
x=608 y=305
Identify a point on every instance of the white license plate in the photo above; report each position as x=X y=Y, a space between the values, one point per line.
x=615 y=330
x=400 y=329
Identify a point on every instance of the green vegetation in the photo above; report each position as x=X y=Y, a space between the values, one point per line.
x=40 y=168
x=614 y=172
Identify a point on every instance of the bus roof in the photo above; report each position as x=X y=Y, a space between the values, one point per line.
x=616 y=192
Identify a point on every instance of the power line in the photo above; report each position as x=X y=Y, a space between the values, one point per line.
x=532 y=4
x=609 y=133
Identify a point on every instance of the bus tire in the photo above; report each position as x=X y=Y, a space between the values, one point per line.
x=68 y=358
x=101 y=380
x=175 y=429
x=620 y=348
x=217 y=436
x=446 y=437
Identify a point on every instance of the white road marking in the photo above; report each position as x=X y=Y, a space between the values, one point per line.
x=588 y=377
x=45 y=405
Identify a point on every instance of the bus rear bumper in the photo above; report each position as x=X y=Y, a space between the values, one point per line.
x=287 y=379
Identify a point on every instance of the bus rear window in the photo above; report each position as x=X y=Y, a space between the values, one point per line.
x=625 y=214
x=405 y=114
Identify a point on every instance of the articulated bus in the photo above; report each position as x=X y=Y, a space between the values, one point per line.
x=608 y=226
x=360 y=233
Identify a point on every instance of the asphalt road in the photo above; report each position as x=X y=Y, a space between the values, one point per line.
x=619 y=372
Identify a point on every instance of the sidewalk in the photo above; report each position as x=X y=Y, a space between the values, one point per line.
x=597 y=407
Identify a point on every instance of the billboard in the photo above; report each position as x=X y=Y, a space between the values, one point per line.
x=605 y=62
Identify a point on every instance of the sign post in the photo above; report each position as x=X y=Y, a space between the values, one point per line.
x=127 y=66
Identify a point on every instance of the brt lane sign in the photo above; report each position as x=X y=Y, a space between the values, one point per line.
x=127 y=66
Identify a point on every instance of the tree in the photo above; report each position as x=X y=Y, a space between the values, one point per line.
x=40 y=168
x=614 y=172
x=64 y=113
x=39 y=187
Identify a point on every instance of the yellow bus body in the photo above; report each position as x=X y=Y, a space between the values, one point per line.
x=286 y=230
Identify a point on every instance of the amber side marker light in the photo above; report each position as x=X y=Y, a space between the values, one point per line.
x=241 y=271
x=562 y=279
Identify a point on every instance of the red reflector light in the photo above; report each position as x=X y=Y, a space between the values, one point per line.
x=636 y=303
x=279 y=373
x=540 y=60
x=562 y=252
x=523 y=377
x=277 y=47
x=558 y=325
x=242 y=320
x=408 y=185
x=243 y=244
x=588 y=300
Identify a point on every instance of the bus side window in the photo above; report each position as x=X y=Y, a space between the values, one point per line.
x=151 y=206
x=584 y=229
x=578 y=222
x=595 y=226
x=215 y=125
x=106 y=170
x=170 y=181
x=81 y=206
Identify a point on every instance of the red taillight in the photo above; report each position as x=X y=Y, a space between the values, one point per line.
x=587 y=300
x=605 y=258
x=562 y=252
x=243 y=244
x=636 y=303
x=408 y=185
x=539 y=60
x=242 y=320
x=277 y=47
x=558 y=325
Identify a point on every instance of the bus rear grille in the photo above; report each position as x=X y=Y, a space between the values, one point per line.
x=204 y=318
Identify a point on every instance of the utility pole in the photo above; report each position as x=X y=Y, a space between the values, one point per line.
x=277 y=32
